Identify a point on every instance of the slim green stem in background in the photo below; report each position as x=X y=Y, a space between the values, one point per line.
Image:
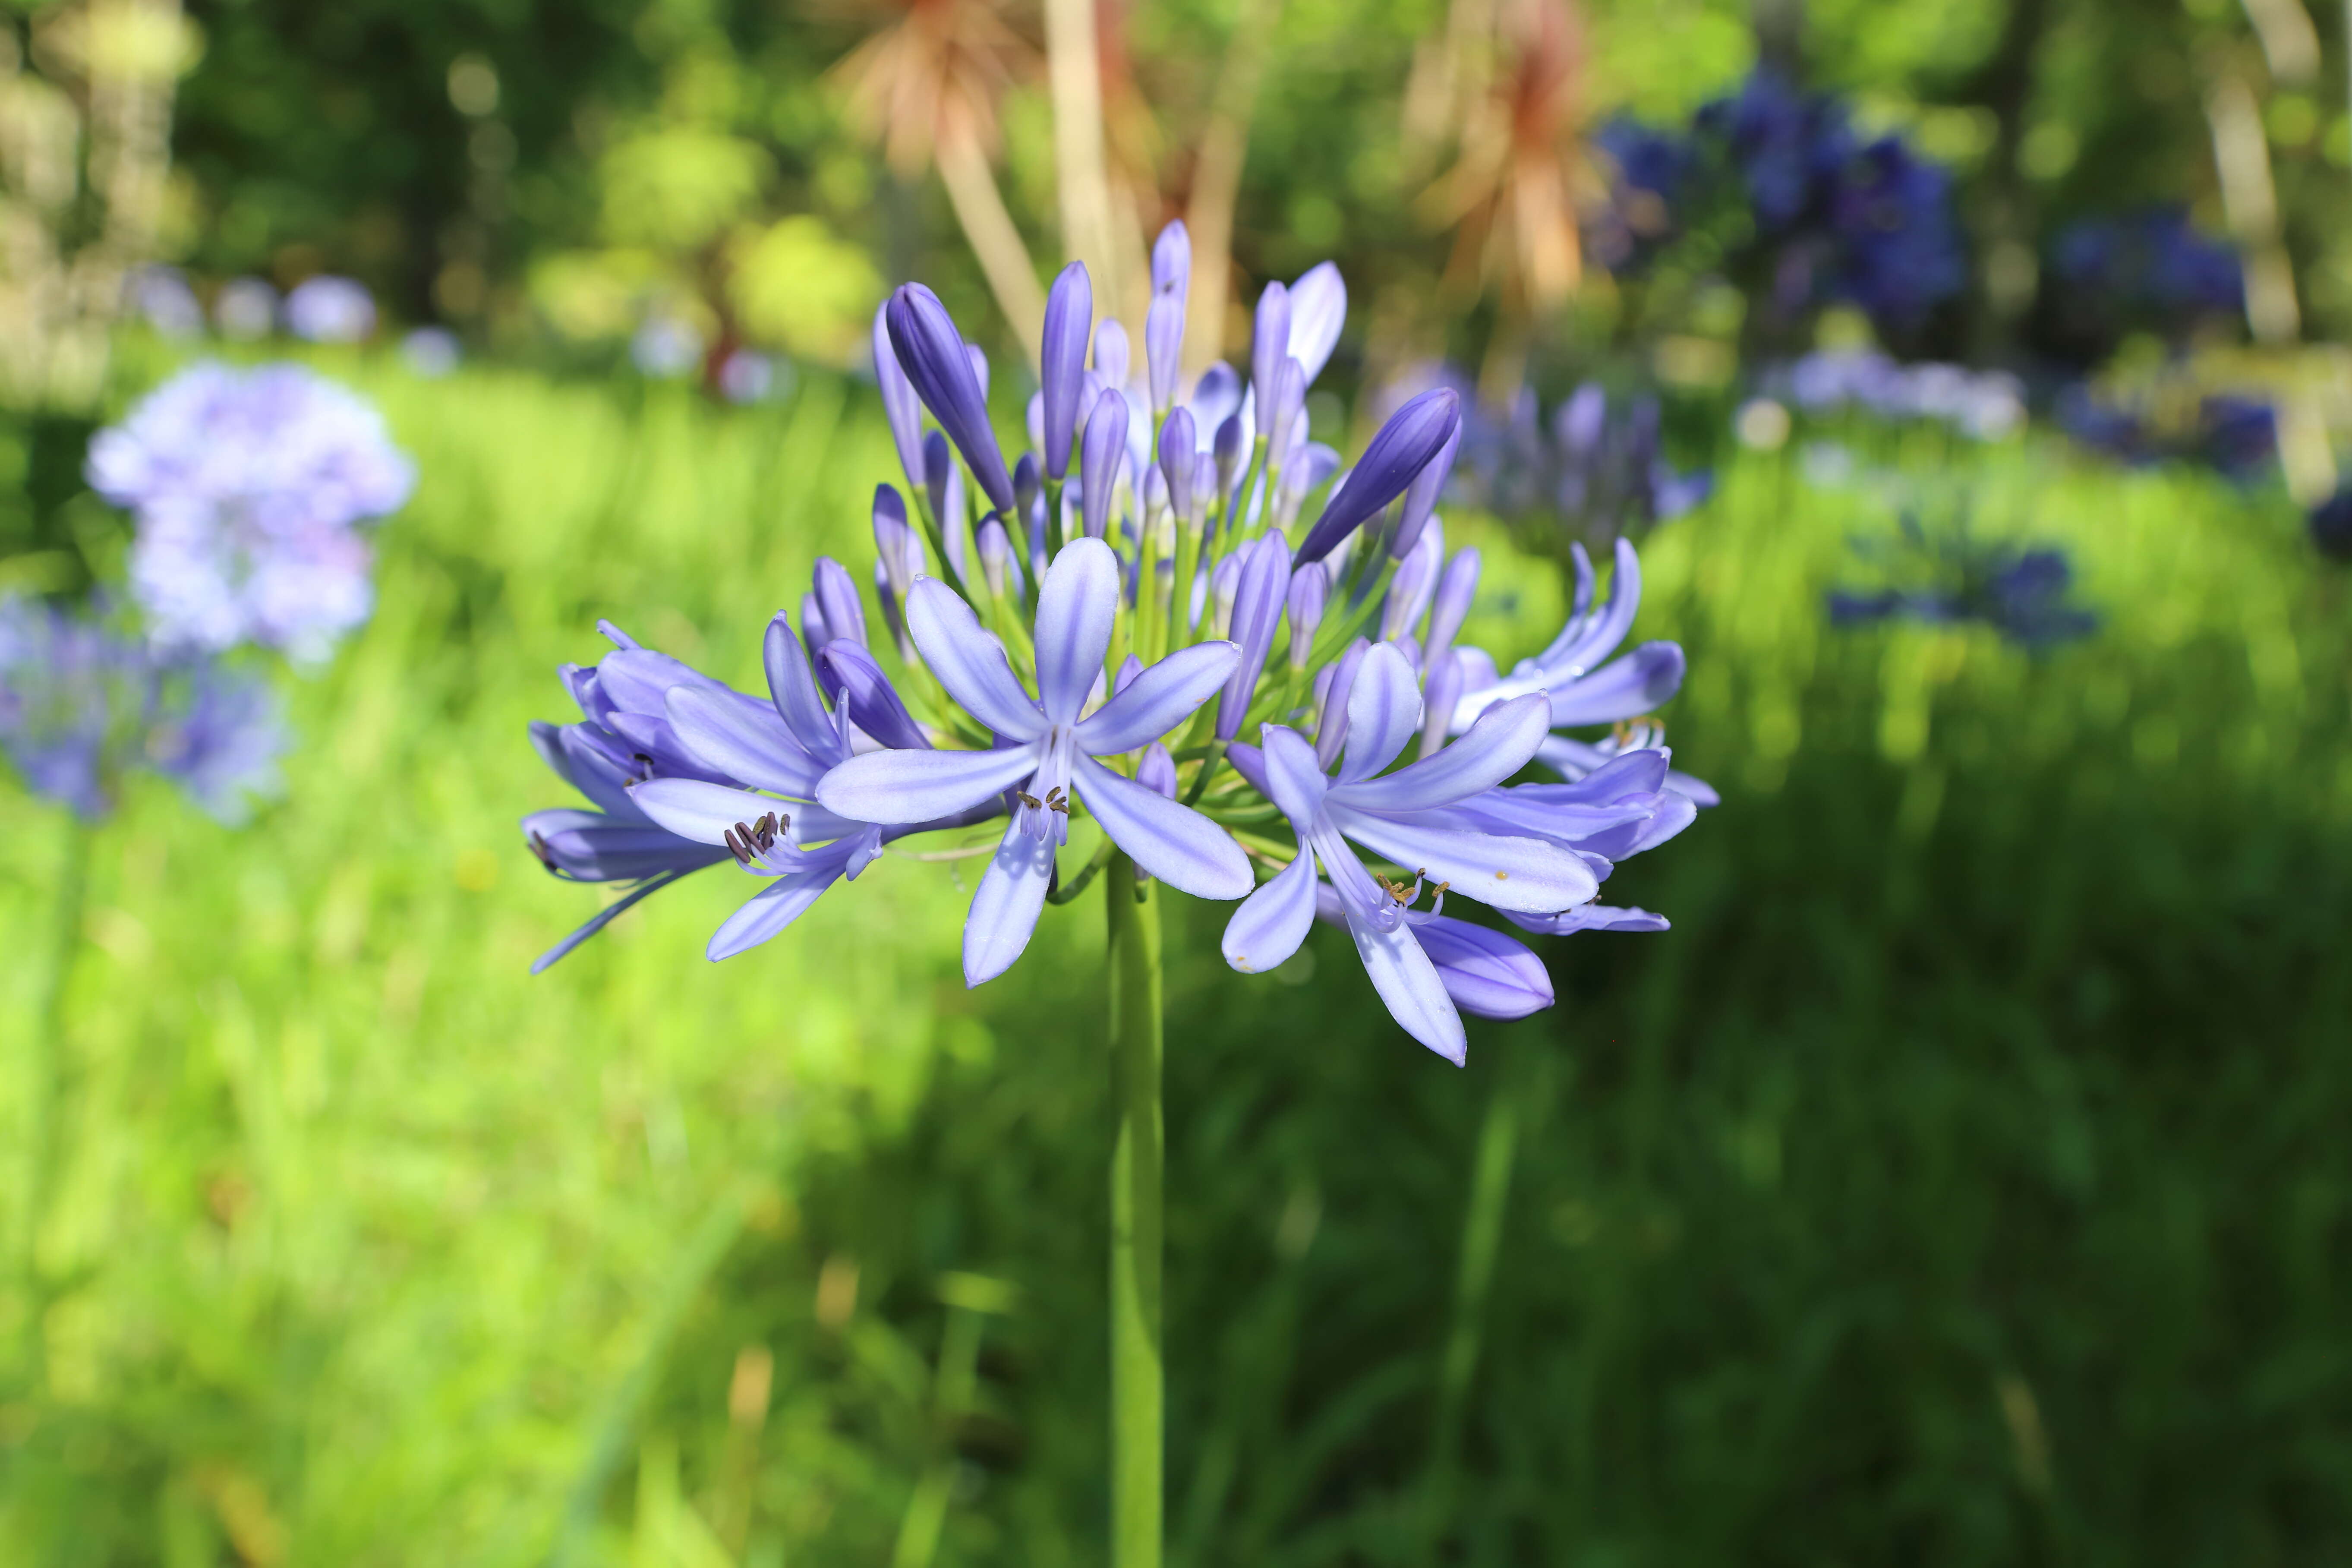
x=1482 y=1235
x=1136 y=1397
x=44 y=1092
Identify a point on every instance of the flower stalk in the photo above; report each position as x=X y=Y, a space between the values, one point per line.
x=1137 y=1400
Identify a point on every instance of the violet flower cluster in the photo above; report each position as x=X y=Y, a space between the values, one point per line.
x=83 y=705
x=2148 y=270
x=1171 y=627
x=2173 y=421
x=1793 y=203
x=250 y=490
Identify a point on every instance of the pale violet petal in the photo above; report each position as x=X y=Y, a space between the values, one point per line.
x=1529 y=874
x=1409 y=983
x=1499 y=745
x=1004 y=911
x=918 y=786
x=1318 y=308
x=702 y=812
x=1488 y=975
x=600 y=920
x=1291 y=776
x=749 y=744
x=1076 y=606
x=1273 y=921
x=1174 y=843
x=768 y=911
x=1625 y=688
x=1160 y=698
x=791 y=688
x=1383 y=712
x=969 y=662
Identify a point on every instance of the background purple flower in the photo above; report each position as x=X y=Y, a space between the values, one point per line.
x=247 y=488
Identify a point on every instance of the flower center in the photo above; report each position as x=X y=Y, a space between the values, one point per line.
x=748 y=841
x=1043 y=811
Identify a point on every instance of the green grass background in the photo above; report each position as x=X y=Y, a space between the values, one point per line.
x=1964 y=1180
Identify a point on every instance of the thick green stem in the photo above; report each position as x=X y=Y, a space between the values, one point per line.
x=1136 y=1397
x=46 y=1104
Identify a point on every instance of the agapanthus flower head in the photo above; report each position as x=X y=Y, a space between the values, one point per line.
x=330 y=309
x=432 y=353
x=1123 y=653
x=83 y=704
x=2145 y=271
x=249 y=487
x=1949 y=576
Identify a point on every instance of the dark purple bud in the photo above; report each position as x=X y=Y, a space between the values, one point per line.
x=1026 y=488
x=1421 y=495
x=942 y=482
x=1103 y=450
x=1257 y=611
x=1069 y=316
x=1110 y=353
x=1414 y=587
x=898 y=399
x=995 y=550
x=933 y=354
x=837 y=597
x=1269 y=346
x=1171 y=260
x=849 y=673
x=1441 y=693
x=1164 y=347
x=891 y=536
x=1178 y=457
x=1451 y=606
x=1229 y=454
x=1310 y=591
x=1331 y=726
x=1401 y=449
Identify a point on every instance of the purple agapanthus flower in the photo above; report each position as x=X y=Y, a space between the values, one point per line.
x=1092 y=595
x=1412 y=818
x=1047 y=752
x=249 y=488
x=1949 y=576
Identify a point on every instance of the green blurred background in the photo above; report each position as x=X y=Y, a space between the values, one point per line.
x=1963 y=1179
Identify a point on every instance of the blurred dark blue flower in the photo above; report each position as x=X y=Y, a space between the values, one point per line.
x=2331 y=525
x=2148 y=270
x=2236 y=437
x=1950 y=577
x=1795 y=206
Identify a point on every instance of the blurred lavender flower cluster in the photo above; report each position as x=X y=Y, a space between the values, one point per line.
x=1951 y=576
x=249 y=487
x=83 y=703
x=1596 y=467
x=1985 y=405
x=1801 y=209
x=324 y=309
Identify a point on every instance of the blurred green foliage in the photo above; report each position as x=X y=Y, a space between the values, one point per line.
x=1960 y=1182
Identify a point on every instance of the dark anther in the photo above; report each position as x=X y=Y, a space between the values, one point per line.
x=539 y=848
x=736 y=847
x=1056 y=801
x=1031 y=801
